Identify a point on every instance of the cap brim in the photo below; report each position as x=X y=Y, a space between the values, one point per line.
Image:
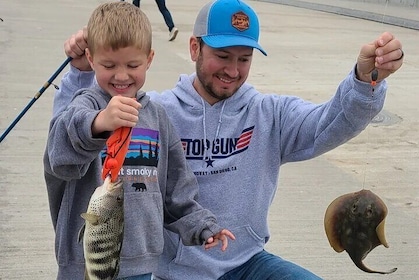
x=225 y=41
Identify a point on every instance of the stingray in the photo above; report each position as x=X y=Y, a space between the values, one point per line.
x=354 y=223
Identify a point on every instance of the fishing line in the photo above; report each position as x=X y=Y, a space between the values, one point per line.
x=374 y=78
x=36 y=97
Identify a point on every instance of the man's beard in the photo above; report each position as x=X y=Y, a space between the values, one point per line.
x=208 y=86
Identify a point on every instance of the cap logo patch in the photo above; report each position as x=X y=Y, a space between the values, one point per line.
x=240 y=21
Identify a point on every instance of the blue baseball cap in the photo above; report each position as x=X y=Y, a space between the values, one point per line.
x=228 y=23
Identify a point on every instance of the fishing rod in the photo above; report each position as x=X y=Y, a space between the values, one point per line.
x=37 y=95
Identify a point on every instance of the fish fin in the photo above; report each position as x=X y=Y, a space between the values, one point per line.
x=116 y=271
x=381 y=234
x=91 y=218
x=86 y=275
x=330 y=219
x=81 y=232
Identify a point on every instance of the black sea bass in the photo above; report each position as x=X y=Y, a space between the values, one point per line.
x=103 y=231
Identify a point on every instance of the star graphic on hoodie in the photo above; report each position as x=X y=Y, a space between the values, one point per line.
x=209 y=162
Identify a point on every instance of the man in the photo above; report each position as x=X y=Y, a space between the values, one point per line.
x=236 y=138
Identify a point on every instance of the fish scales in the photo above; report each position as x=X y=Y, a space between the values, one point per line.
x=103 y=231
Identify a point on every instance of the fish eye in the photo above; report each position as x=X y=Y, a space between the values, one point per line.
x=369 y=212
x=118 y=198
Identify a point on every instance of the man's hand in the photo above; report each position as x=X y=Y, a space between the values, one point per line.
x=75 y=47
x=384 y=54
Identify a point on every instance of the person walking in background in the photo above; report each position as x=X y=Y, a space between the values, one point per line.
x=173 y=30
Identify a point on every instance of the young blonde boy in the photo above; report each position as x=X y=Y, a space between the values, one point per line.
x=120 y=52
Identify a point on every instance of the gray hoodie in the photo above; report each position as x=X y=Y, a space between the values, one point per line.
x=159 y=187
x=236 y=147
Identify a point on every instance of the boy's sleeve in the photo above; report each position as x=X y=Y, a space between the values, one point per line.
x=70 y=145
x=72 y=81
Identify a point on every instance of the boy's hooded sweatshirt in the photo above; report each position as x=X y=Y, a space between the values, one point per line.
x=159 y=187
x=236 y=147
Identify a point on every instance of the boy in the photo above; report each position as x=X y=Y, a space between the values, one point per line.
x=120 y=52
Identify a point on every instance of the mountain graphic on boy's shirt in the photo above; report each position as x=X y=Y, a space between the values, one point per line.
x=143 y=148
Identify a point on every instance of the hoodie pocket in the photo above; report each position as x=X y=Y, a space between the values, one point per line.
x=143 y=224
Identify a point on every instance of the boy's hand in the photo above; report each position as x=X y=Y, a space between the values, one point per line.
x=121 y=111
x=219 y=237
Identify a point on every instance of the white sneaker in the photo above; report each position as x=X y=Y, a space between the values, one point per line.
x=173 y=33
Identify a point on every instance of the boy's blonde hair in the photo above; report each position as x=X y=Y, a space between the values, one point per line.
x=118 y=25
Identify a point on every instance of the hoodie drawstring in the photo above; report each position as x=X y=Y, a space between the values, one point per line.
x=220 y=121
x=205 y=129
